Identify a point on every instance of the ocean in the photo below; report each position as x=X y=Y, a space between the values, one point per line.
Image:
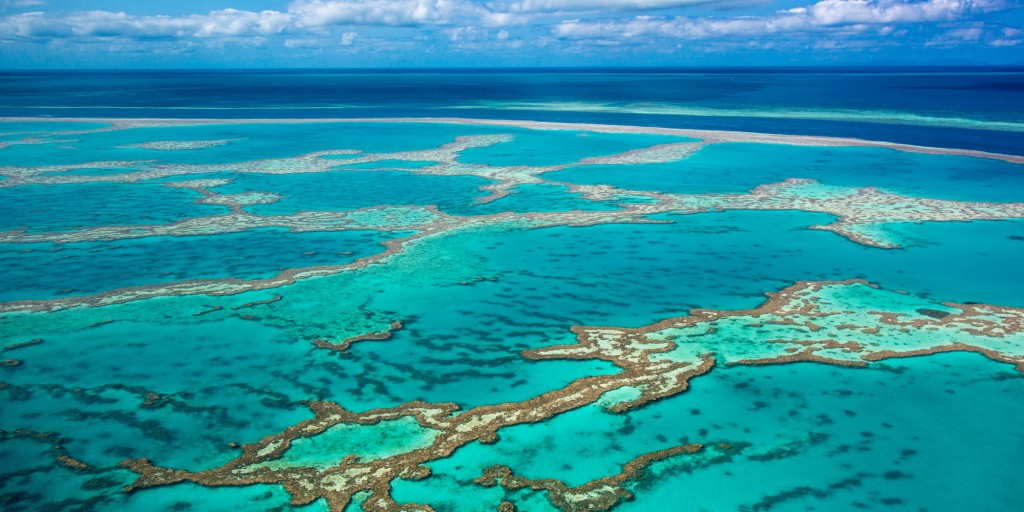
x=942 y=106
x=534 y=290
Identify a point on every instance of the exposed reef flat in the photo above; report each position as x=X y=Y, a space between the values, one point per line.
x=475 y=316
x=863 y=218
x=347 y=342
x=845 y=323
x=180 y=145
x=601 y=494
x=669 y=109
x=864 y=215
x=707 y=135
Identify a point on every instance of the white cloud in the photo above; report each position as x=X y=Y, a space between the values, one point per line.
x=375 y=12
x=21 y=4
x=301 y=17
x=838 y=12
x=304 y=42
x=324 y=23
x=464 y=33
x=965 y=34
x=845 y=15
x=232 y=22
x=107 y=24
x=543 y=6
x=1008 y=36
x=683 y=28
x=1005 y=42
x=33 y=25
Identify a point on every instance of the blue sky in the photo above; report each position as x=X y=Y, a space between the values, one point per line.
x=443 y=33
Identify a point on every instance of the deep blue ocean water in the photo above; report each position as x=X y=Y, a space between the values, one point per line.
x=943 y=106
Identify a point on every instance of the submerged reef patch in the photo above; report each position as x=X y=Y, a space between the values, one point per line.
x=843 y=323
x=864 y=215
x=180 y=145
x=488 y=318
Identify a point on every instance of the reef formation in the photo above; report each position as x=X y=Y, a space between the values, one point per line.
x=864 y=215
x=843 y=323
x=822 y=322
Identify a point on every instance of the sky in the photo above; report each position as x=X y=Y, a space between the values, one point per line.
x=85 y=34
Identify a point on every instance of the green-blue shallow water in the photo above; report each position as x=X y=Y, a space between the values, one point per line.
x=46 y=270
x=818 y=437
x=83 y=205
x=738 y=167
x=353 y=189
x=186 y=377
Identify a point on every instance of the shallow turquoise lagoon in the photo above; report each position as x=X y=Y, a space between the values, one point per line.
x=93 y=171
x=460 y=329
x=453 y=351
x=14 y=130
x=180 y=379
x=67 y=489
x=224 y=381
x=739 y=167
x=221 y=381
x=537 y=198
x=245 y=142
x=631 y=275
x=557 y=147
x=41 y=208
x=45 y=270
x=241 y=142
x=343 y=190
x=809 y=435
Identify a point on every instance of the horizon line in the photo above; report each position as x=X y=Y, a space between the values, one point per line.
x=677 y=68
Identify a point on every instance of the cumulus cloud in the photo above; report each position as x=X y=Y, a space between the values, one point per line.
x=377 y=12
x=233 y=22
x=848 y=15
x=965 y=34
x=681 y=28
x=463 y=33
x=312 y=23
x=302 y=16
x=21 y=4
x=1005 y=42
x=104 y=24
x=541 y=6
x=837 y=12
x=305 y=42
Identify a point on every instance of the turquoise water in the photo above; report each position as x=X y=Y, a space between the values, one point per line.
x=247 y=142
x=183 y=380
x=738 y=167
x=46 y=270
x=554 y=147
x=537 y=198
x=40 y=208
x=350 y=190
x=104 y=386
x=45 y=127
x=888 y=439
x=812 y=436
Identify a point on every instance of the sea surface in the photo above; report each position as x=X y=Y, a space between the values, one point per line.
x=259 y=290
x=941 y=106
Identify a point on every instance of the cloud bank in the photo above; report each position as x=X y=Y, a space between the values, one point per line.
x=566 y=26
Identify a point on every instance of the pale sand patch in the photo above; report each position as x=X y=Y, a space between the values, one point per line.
x=709 y=136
